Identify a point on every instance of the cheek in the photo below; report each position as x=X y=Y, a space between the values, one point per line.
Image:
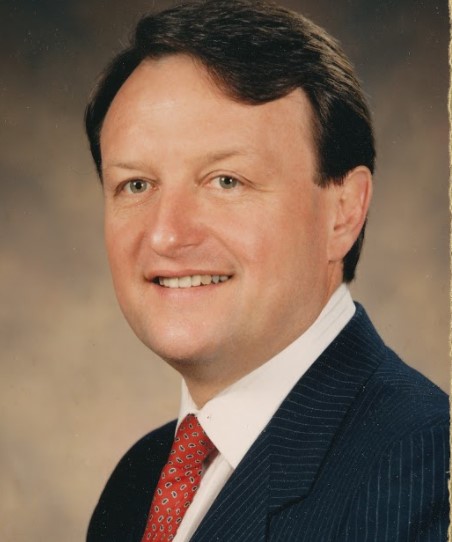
x=248 y=235
x=298 y=243
x=264 y=243
x=121 y=241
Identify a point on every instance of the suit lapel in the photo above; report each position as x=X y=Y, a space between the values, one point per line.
x=123 y=507
x=284 y=462
x=145 y=474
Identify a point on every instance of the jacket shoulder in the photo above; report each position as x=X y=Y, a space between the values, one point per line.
x=394 y=454
x=383 y=475
x=399 y=400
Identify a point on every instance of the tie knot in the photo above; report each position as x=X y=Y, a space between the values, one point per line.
x=191 y=445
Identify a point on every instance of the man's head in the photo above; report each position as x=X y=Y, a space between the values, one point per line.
x=233 y=142
x=257 y=52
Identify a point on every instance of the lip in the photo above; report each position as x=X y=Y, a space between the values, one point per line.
x=188 y=293
x=152 y=276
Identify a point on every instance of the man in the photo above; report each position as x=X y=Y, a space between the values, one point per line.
x=236 y=154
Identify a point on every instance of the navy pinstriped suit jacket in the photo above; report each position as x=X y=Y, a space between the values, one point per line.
x=358 y=451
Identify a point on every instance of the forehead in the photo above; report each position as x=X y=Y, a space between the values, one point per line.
x=174 y=99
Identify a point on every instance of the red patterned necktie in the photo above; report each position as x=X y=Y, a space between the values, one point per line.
x=178 y=481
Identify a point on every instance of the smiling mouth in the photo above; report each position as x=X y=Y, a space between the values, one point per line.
x=190 y=281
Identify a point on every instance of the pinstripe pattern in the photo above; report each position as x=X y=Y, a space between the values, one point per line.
x=358 y=452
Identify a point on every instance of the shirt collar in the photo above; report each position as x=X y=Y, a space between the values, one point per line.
x=235 y=417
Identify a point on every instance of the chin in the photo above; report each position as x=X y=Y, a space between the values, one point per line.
x=177 y=349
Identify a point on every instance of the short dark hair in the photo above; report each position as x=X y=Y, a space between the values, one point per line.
x=256 y=52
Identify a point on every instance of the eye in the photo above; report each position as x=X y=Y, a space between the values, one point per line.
x=227 y=182
x=137 y=186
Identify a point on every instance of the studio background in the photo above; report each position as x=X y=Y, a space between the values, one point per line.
x=76 y=387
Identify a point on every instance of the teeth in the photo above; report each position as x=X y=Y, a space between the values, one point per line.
x=206 y=279
x=184 y=282
x=189 y=281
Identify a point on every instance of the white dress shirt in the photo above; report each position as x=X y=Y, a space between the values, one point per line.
x=235 y=417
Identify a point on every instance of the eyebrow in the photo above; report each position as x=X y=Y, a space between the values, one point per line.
x=124 y=165
x=215 y=156
x=222 y=155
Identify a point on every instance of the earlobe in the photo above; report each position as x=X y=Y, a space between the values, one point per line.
x=352 y=201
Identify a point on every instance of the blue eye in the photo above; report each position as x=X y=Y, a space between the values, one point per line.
x=137 y=186
x=227 y=182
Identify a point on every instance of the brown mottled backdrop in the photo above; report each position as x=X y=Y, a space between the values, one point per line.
x=76 y=387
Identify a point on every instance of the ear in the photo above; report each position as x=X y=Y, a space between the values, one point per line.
x=351 y=200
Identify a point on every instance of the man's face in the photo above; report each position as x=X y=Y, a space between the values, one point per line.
x=202 y=189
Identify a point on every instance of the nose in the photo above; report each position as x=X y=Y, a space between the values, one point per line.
x=174 y=225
